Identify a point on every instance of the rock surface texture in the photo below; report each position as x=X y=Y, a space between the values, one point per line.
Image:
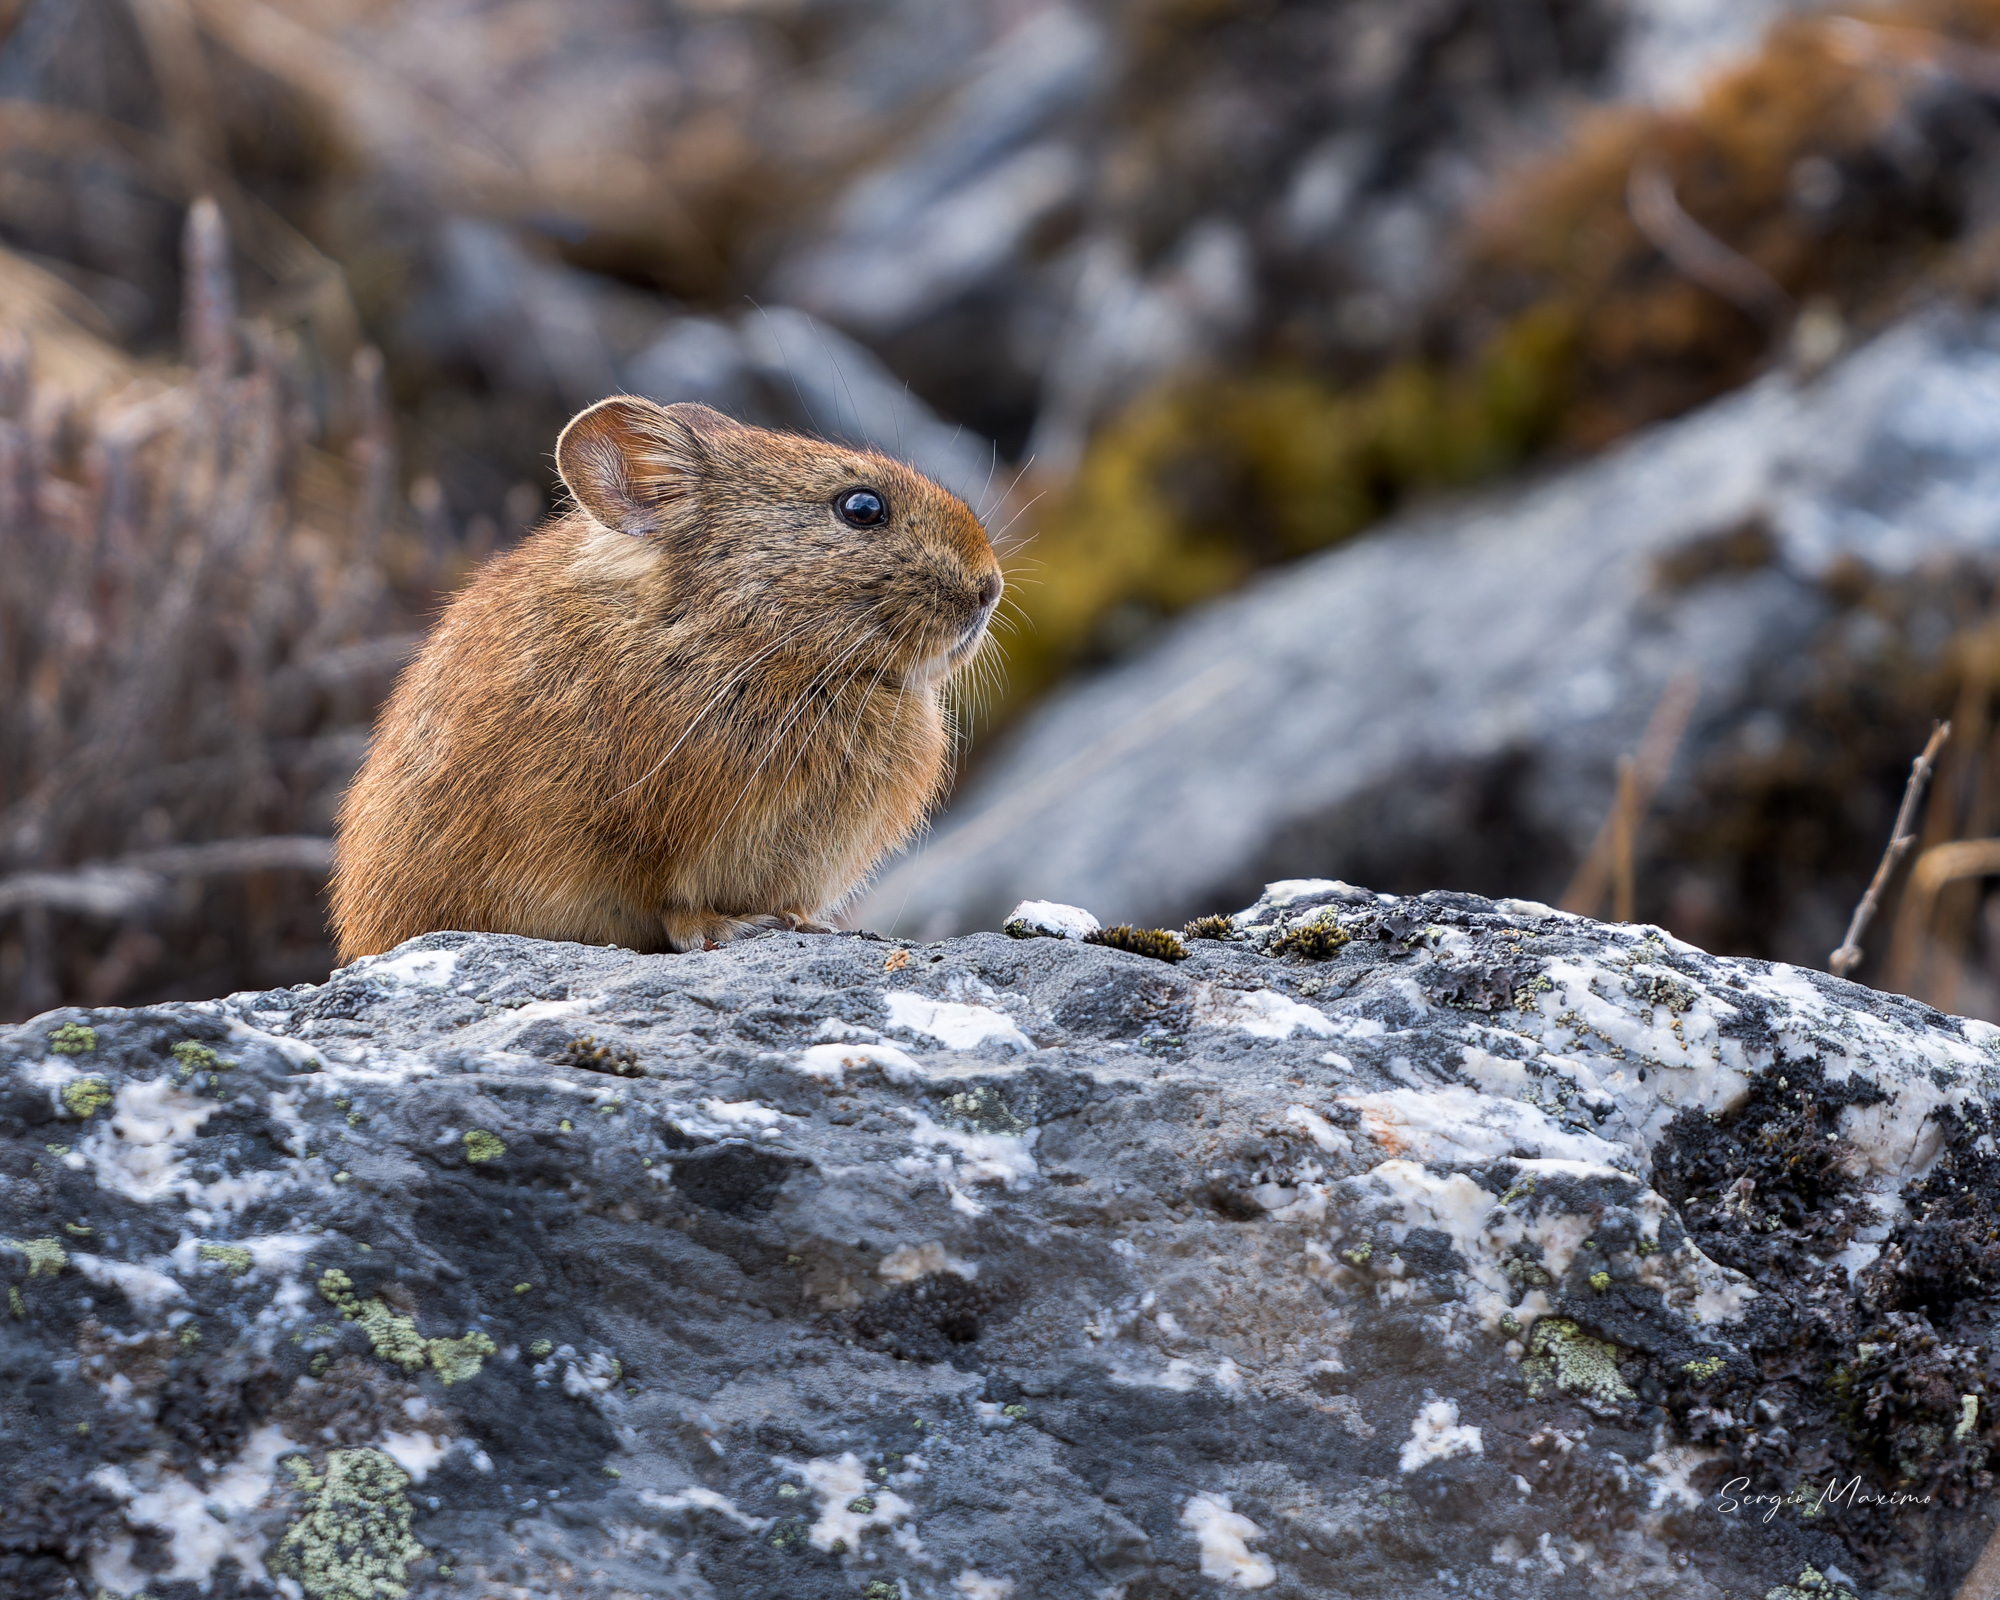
x=1379 y=1247
x=1444 y=701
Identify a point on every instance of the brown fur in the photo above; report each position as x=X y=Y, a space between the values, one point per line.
x=699 y=703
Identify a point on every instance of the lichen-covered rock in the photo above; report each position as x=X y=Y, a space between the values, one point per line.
x=1379 y=1247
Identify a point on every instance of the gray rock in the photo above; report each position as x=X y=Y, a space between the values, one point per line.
x=1481 y=1255
x=1415 y=703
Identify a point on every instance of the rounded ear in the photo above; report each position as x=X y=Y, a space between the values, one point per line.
x=635 y=466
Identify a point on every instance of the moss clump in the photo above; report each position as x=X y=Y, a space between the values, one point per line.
x=456 y=1360
x=1562 y=1353
x=1212 y=927
x=354 y=1541
x=483 y=1146
x=193 y=1057
x=1158 y=943
x=46 y=1256
x=85 y=1097
x=234 y=1258
x=587 y=1055
x=1314 y=941
x=73 y=1039
x=791 y=1534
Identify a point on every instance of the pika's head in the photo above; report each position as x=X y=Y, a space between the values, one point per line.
x=797 y=542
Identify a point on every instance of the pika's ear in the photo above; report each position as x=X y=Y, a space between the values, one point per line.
x=633 y=464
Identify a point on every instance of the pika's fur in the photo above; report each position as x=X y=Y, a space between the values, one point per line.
x=705 y=700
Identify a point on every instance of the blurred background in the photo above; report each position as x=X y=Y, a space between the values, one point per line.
x=1535 y=447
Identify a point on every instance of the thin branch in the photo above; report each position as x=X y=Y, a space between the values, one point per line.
x=1697 y=253
x=1844 y=960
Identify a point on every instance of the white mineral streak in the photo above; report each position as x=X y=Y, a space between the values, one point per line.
x=831 y=1063
x=1457 y=1126
x=834 y=1028
x=1051 y=920
x=202 y=1526
x=148 y=1290
x=956 y=1025
x=975 y=1585
x=136 y=1151
x=416 y=969
x=1436 y=1434
x=1224 y=1534
x=743 y=1111
x=1003 y=1158
x=1261 y=1013
x=838 y=1486
x=909 y=1262
x=697 y=1498
x=1320 y=1131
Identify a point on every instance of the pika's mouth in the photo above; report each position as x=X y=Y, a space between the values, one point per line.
x=968 y=641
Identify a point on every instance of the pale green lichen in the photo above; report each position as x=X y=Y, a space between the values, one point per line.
x=540 y=1348
x=354 y=1541
x=190 y=1335
x=14 y=1301
x=46 y=1256
x=1561 y=1352
x=1704 y=1369
x=1600 y=1281
x=483 y=1146
x=458 y=1359
x=234 y=1258
x=1360 y=1253
x=1811 y=1584
x=73 y=1039
x=1968 y=1417
x=195 y=1058
x=85 y=1097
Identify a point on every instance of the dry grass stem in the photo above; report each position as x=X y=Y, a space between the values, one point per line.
x=1844 y=960
x=1609 y=865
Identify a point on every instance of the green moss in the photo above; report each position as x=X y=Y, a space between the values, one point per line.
x=46 y=1256
x=1213 y=927
x=1360 y=1253
x=456 y=1360
x=791 y=1534
x=1159 y=943
x=587 y=1055
x=234 y=1258
x=483 y=1146
x=1560 y=1352
x=354 y=1540
x=1319 y=940
x=85 y=1097
x=73 y=1039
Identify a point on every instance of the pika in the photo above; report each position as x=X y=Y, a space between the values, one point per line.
x=708 y=699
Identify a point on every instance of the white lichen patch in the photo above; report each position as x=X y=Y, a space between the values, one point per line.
x=1261 y=1013
x=1003 y=1158
x=957 y=1025
x=201 y=1527
x=1224 y=1535
x=148 y=1289
x=909 y=1262
x=849 y=1505
x=1436 y=1434
x=696 y=1498
x=831 y=1063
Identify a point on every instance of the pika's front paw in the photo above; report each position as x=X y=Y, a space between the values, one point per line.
x=705 y=930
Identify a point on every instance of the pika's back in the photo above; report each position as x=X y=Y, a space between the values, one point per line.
x=705 y=700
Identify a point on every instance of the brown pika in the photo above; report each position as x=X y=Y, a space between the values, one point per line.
x=707 y=699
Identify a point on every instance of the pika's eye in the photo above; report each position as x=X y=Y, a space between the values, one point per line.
x=863 y=508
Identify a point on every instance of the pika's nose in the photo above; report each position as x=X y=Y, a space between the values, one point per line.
x=989 y=590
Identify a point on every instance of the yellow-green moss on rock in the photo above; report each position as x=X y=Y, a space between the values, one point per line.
x=73 y=1039
x=85 y=1097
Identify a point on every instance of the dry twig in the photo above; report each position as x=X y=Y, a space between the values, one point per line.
x=1844 y=960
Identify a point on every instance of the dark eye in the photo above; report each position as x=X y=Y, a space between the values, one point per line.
x=864 y=508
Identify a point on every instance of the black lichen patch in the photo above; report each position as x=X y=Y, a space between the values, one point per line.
x=1160 y=943
x=935 y=1318
x=1765 y=1187
x=1478 y=985
x=1313 y=941
x=732 y=1178
x=587 y=1055
x=46 y=1523
x=1947 y=1251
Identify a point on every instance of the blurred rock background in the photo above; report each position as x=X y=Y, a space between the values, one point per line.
x=1175 y=291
